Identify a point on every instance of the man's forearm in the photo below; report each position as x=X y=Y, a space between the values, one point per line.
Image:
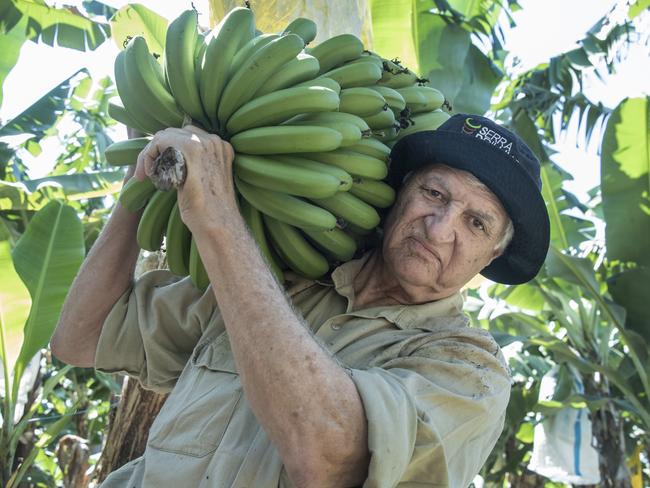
x=104 y=276
x=305 y=401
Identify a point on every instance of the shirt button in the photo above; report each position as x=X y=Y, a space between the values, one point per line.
x=335 y=325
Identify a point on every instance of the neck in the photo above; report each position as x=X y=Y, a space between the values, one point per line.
x=376 y=285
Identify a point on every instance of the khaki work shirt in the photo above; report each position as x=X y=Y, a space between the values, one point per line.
x=434 y=390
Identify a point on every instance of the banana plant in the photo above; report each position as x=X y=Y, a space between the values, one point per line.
x=625 y=170
x=22 y=20
x=579 y=324
x=46 y=257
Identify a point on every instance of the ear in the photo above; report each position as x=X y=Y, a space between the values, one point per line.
x=495 y=254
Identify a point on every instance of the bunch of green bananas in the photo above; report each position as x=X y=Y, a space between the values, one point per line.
x=306 y=125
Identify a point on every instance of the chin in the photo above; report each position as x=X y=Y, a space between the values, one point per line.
x=414 y=270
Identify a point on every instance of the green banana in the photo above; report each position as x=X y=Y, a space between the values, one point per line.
x=153 y=223
x=351 y=209
x=286 y=139
x=334 y=242
x=393 y=98
x=117 y=112
x=336 y=50
x=123 y=153
x=247 y=50
x=387 y=135
x=303 y=27
x=136 y=193
x=397 y=76
x=288 y=209
x=281 y=105
x=376 y=193
x=361 y=101
x=426 y=121
x=179 y=64
x=199 y=56
x=234 y=30
x=254 y=71
x=350 y=133
x=254 y=220
x=353 y=163
x=371 y=147
x=326 y=82
x=366 y=58
x=345 y=180
x=285 y=178
x=353 y=75
x=325 y=117
x=380 y=120
x=131 y=102
x=301 y=68
x=427 y=99
x=145 y=75
x=294 y=249
x=178 y=240
x=198 y=274
x=415 y=98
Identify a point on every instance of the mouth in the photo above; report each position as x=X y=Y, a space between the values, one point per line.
x=421 y=245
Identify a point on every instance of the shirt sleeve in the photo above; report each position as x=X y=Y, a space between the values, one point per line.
x=153 y=328
x=435 y=413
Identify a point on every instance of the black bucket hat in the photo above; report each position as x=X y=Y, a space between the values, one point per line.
x=505 y=164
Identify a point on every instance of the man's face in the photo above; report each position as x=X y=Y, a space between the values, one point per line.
x=441 y=232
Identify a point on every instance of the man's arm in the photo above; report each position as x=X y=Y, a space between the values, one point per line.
x=306 y=402
x=104 y=276
x=106 y=273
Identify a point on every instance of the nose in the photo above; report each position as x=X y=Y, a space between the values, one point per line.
x=440 y=227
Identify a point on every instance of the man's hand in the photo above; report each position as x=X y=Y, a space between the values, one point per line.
x=208 y=194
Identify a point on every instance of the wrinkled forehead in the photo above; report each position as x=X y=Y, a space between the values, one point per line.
x=450 y=179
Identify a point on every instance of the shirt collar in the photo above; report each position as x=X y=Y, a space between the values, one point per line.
x=425 y=315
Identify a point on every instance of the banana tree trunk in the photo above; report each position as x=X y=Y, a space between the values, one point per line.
x=129 y=427
x=332 y=17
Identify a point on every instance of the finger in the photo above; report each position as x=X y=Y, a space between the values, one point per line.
x=196 y=130
x=129 y=173
x=139 y=172
x=229 y=151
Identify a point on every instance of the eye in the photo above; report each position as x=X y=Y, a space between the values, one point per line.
x=478 y=224
x=433 y=192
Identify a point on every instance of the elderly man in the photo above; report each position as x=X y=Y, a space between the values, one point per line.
x=369 y=378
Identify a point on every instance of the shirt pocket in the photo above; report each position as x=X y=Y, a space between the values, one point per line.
x=195 y=416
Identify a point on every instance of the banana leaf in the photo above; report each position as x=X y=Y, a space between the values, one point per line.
x=44 y=113
x=65 y=26
x=11 y=42
x=566 y=230
x=625 y=184
x=81 y=185
x=47 y=258
x=35 y=194
x=480 y=79
x=393 y=31
x=14 y=302
x=137 y=20
x=638 y=7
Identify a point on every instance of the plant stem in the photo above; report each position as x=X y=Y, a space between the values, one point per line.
x=7 y=416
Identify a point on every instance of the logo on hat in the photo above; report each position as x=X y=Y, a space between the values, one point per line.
x=469 y=128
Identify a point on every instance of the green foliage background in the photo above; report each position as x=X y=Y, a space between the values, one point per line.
x=585 y=312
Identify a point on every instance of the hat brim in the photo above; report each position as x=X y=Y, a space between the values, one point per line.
x=505 y=177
